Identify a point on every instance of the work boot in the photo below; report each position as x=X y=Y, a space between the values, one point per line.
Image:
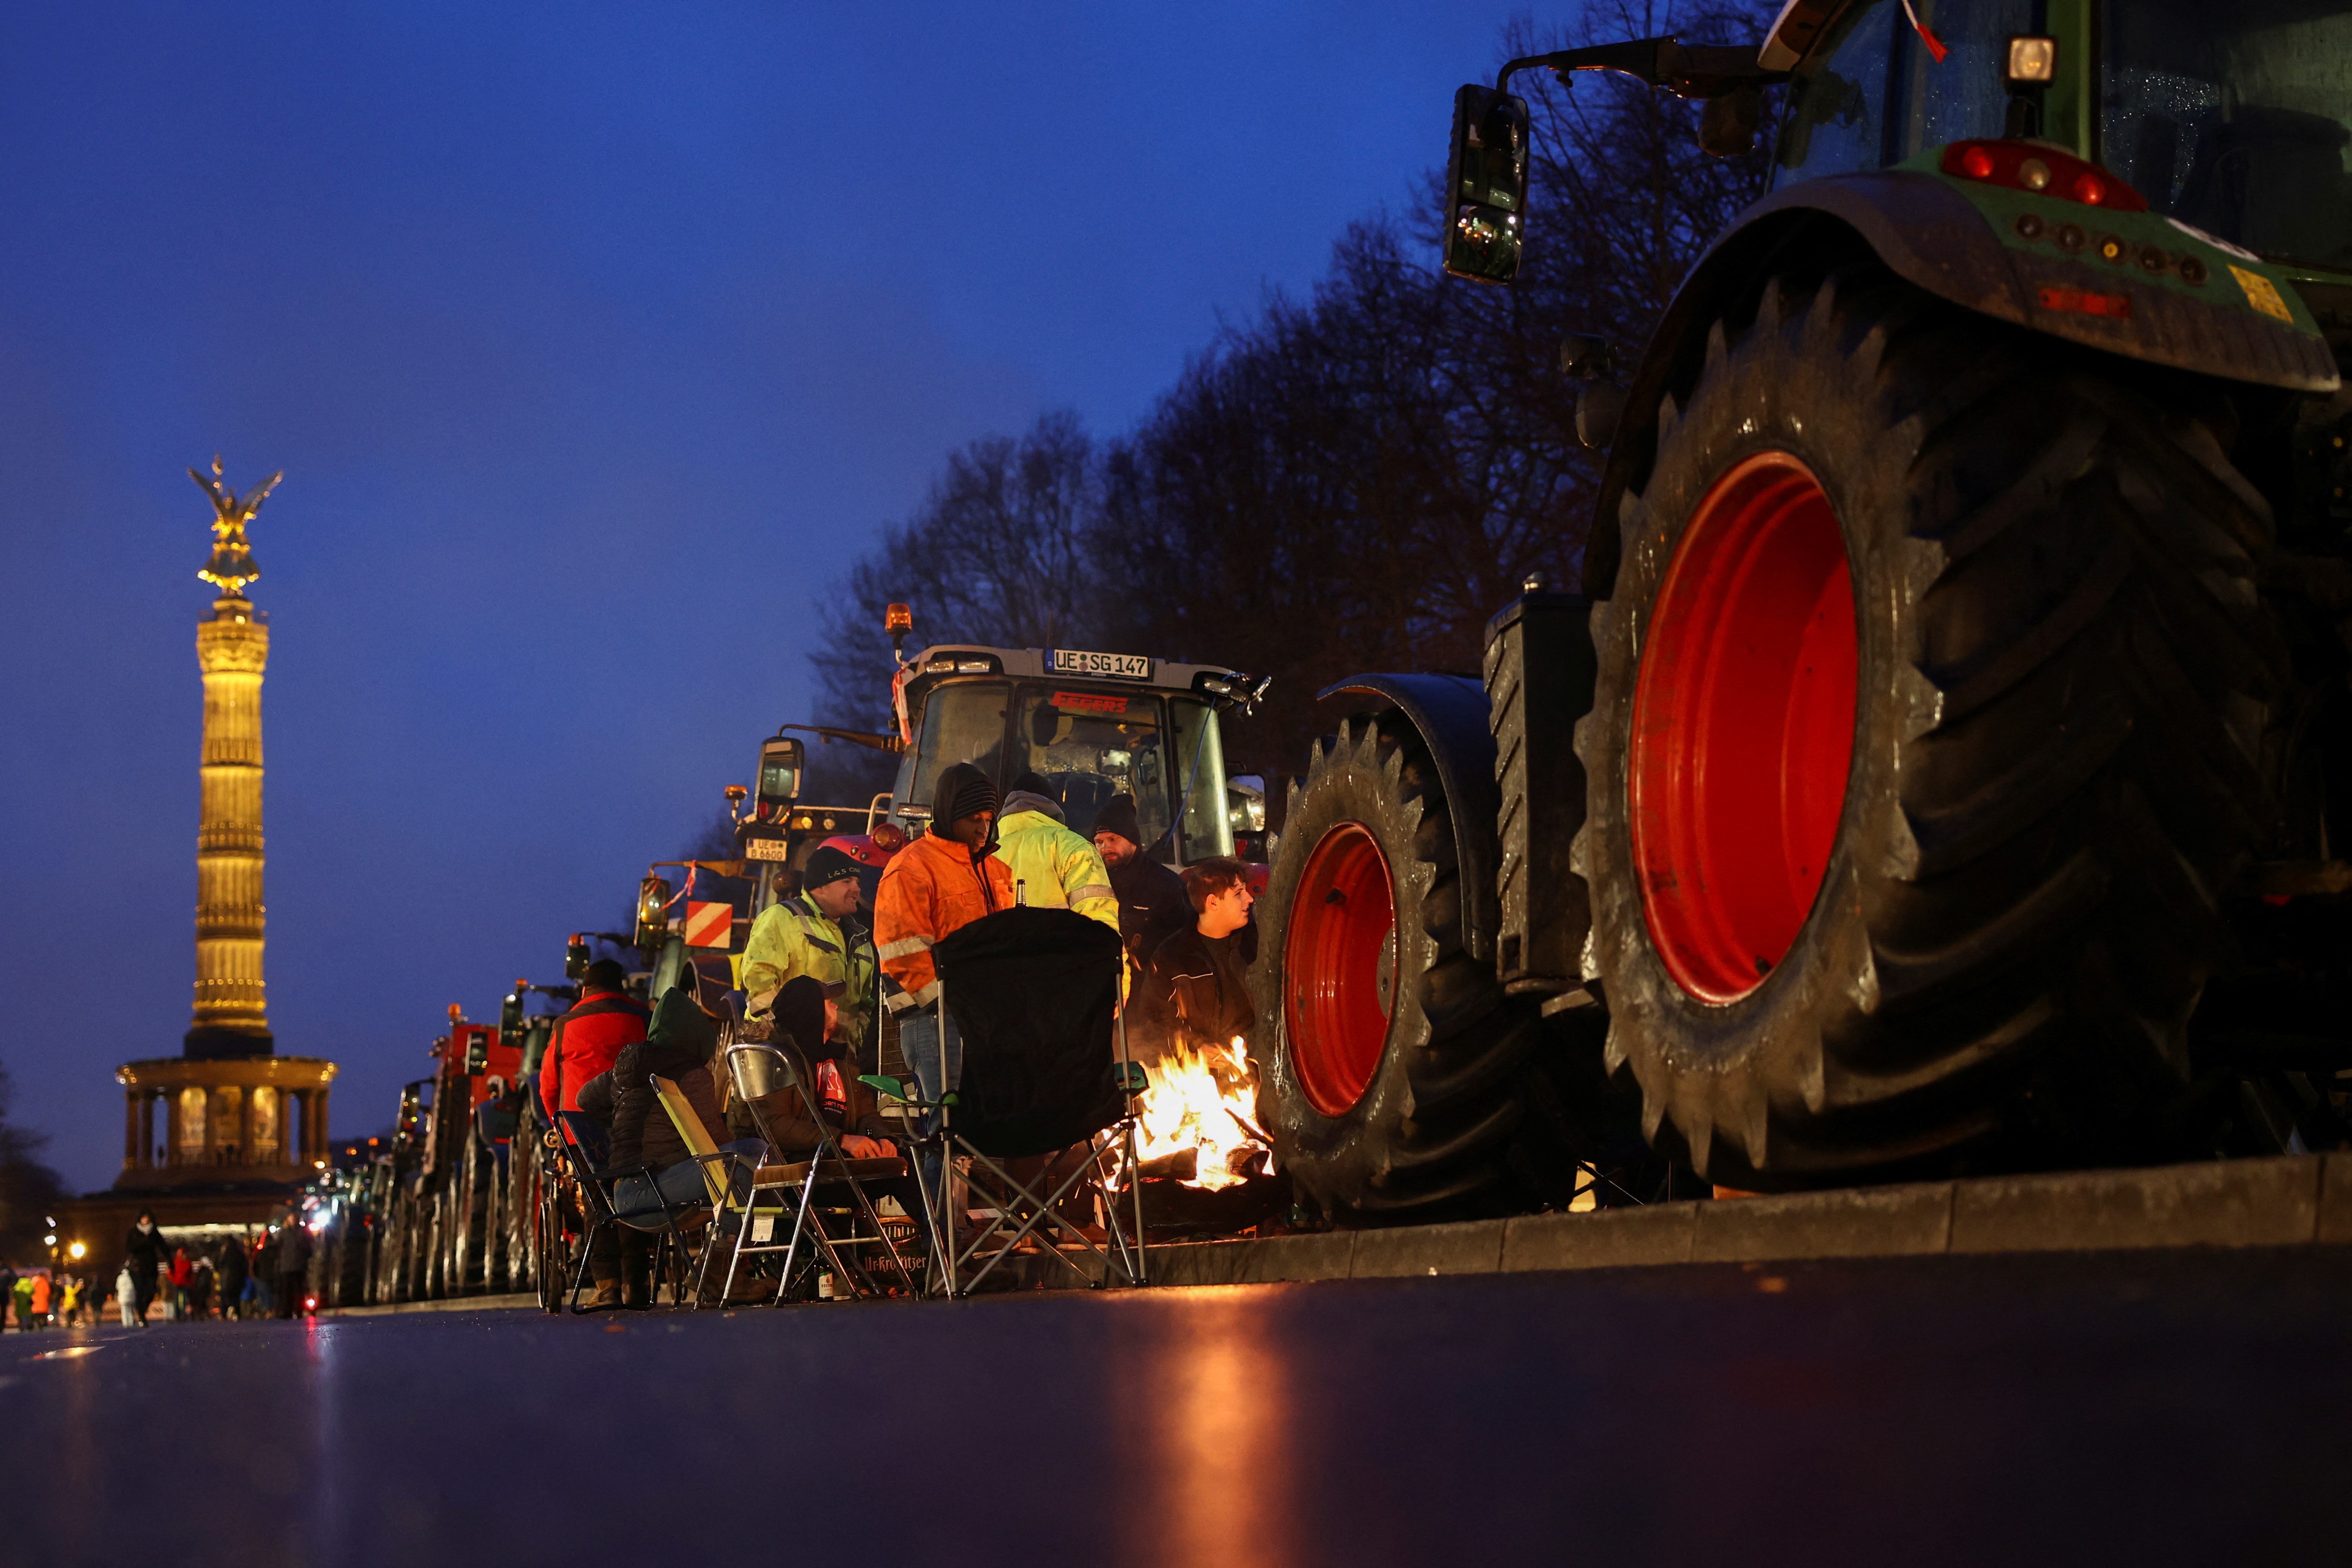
x=636 y=1290
x=607 y=1297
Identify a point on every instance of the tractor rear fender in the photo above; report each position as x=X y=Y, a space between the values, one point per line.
x=1450 y=712
x=1967 y=243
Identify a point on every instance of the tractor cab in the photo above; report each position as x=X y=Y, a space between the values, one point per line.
x=1092 y=725
x=2230 y=119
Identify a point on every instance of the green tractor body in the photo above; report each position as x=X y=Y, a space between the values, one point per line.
x=1942 y=765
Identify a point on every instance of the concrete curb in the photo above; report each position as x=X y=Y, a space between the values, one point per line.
x=455 y=1304
x=2300 y=1200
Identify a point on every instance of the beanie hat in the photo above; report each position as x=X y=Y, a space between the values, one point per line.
x=825 y=867
x=680 y=1023
x=1118 y=815
x=963 y=791
x=604 y=974
x=1033 y=782
x=799 y=1012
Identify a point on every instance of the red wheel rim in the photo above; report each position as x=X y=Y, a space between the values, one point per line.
x=1743 y=727
x=1338 y=964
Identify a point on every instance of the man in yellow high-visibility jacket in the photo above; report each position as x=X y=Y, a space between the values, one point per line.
x=815 y=933
x=1052 y=867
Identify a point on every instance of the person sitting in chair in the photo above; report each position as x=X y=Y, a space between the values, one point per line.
x=806 y=1015
x=679 y=1047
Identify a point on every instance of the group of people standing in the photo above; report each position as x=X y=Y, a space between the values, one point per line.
x=259 y=1275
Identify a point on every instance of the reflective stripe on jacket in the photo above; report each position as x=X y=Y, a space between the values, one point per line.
x=796 y=938
x=1055 y=869
x=930 y=889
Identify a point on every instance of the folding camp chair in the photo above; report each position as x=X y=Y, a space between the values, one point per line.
x=1031 y=996
x=579 y=1139
x=824 y=1194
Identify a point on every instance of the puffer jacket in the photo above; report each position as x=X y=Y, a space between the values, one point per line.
x=678 y=1048
x=1053 y=867
x=588 y=1040
x=931 y=889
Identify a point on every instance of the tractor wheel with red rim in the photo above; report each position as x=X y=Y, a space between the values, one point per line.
x=1388 y=1057
x=1924 y=742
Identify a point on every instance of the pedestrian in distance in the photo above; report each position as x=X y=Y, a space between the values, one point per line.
x=23 y=1297
x=126 y=1297
x=1152 y=903
x=7 y=1295
x=293 y=1262
x=144 y=1253
x=231 y=1271
x=1053 y=867
x=70 y=1289
x=815 y=933
x=589 y=1037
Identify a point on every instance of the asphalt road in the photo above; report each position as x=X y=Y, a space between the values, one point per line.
x=2128 y=1408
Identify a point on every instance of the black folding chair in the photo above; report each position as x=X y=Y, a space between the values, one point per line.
x=582 y=1141
x=1031 y=997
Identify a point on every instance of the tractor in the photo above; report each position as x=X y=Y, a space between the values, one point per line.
x=1941 y=764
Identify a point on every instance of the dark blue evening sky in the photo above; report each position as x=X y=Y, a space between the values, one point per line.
x=593 y=340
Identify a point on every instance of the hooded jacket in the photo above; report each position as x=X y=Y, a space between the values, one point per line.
x=679 y=1047
x=1053 y=867
x=931 y=889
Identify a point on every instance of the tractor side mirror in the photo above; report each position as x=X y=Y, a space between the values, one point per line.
x=1486 y=185
x=1726 y=126
x=511 y=1009
x=575 y=959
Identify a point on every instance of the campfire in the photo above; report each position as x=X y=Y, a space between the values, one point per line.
x=1197 y=1121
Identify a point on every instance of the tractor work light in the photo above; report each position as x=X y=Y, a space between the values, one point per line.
x=2032 y=61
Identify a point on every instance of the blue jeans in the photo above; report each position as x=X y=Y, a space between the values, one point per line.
x=634 y=1199
x=919 y=1042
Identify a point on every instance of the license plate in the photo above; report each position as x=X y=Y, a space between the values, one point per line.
x=1116 y=665
x=766 y=849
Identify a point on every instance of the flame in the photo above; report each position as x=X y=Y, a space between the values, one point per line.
x=1203 y=1099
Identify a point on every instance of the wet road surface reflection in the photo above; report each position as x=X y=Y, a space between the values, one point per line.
x=2187 y=1409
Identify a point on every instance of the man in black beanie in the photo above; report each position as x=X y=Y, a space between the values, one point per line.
x=1152 y=903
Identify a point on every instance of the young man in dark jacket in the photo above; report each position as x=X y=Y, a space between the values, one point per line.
x=1195 y=992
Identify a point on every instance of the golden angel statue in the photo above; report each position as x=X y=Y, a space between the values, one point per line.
x=232 y=566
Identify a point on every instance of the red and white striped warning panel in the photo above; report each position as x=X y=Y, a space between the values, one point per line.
x=708 y=925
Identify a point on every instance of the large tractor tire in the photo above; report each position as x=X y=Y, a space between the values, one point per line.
x=1389 y=1054
x=1924 y=745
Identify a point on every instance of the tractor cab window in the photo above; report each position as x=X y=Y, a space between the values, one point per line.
x=2234 y=119
x=1871 y=95
x=1207 y=828
x=1091 y=744
x=962 y=722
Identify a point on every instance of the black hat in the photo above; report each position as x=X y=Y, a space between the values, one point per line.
x=1033 y=782
x=1118 y=815
x=799 y=1012
x=963 y=791
x=825 y=867
x=604 y=974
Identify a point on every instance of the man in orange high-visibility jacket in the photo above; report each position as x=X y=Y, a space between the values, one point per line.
x=933 y=888
x=937 y=884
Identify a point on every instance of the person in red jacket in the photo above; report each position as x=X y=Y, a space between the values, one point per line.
x=588 y=1038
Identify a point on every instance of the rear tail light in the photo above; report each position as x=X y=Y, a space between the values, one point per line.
x=2043 y=171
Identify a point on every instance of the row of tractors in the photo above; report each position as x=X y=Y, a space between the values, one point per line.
x=1942 y=763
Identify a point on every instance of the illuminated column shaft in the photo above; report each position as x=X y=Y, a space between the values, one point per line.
x=233 y=649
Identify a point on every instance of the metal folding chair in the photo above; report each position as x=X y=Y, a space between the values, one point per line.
x=576 y=1134
x=824 y=1194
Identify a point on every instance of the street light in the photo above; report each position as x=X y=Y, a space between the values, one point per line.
x=76 y=1251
